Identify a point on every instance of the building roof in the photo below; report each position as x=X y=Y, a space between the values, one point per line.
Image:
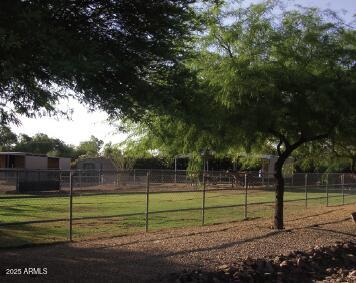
x=22 y=153
x=28 y=154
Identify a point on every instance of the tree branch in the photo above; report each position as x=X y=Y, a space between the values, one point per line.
x=225 y=46
x=282 y=139
x=279 y=147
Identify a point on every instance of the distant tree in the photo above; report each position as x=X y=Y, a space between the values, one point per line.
x=42 y=143
x=90 y=148
x=7 y=139
x=118 y=157
x=346 y=151
x=111 y=53
x=328 y=155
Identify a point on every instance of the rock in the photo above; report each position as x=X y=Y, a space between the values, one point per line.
x=269 y=267
x=277 y=260
x=317 y=248
x=249 y=261
x=329 y=270
x=346 y=246
x=260 y=266
x=284 y=264
x=350 y=258
x=353 y=217
x=333 y=249
x=352 y=275
x=301 y=263
x=223 y=267
x=323 y=264
x=236 y=275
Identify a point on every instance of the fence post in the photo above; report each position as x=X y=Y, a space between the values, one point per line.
x=246 y=185
x=60 y=179
x=17 y=181
x=327 y=189
x=292 y=181
x=147 y=199
x=203 y=201
x=306 y=189
x=342 y=188
x=70 y=205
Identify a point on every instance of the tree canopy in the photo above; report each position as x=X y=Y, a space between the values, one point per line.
x=111 y=54
x=89 y=148
x=7 y=138
x=42 y=143
x=284 y=79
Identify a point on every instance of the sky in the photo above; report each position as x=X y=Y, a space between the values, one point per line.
x=83 y=124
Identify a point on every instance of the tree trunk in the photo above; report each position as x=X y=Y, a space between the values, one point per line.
x=278 y=176
x=278 y=211
x=353 y=165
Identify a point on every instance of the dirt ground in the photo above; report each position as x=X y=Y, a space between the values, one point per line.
x=146 y=257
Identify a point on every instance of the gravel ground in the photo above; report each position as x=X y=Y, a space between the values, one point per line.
x=147 y=257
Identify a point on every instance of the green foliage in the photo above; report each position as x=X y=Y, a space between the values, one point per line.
x=327 y=156
x=7 y=138
x=41 y=143
x=262 y=78
x=289 y=78
x=250 y=162
x=118 y=156
x=90 y=148
x=110 y=53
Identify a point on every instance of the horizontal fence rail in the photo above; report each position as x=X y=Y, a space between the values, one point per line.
x=39 y=206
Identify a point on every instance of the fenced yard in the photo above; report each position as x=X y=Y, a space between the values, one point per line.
x=96 y=204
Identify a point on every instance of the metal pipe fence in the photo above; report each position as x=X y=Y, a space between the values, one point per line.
x=49 y=205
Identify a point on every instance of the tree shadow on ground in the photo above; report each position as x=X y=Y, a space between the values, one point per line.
x=333 y=231
x=309 y=216
x=120 y=263
x=67 y=263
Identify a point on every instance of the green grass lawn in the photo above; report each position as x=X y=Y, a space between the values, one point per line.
x=112 y=215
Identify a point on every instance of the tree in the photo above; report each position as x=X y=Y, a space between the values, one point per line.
x=289 y=79
x=7 y=139
x=118 y=157
x=347 y=151
x=43 y=144
x=328 y=155
x=285 y=80
x=90 y=148
x=110 y=53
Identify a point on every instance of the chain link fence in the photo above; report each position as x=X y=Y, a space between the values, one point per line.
x=42 y=206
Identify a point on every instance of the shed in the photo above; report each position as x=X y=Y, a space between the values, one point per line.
x=32 y=161
x=31 y=171
x=96 y=163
